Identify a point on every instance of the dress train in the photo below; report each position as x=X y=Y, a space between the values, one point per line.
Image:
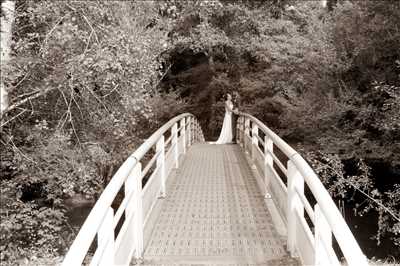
x=226 y=131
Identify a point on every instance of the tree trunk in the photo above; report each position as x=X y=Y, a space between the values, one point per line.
x=331 y=4
x=7 y=19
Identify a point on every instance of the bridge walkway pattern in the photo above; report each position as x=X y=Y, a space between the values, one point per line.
x=214 y=214
x=177 y=200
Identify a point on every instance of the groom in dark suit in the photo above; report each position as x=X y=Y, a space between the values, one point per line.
x=235 y=116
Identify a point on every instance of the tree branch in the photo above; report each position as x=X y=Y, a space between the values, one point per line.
x=23 y=101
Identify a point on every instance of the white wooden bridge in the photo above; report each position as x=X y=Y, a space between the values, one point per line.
x=195 y=203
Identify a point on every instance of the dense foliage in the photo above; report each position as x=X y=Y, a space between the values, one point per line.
x=327 y=81
x=80 y=85
x=87 y=80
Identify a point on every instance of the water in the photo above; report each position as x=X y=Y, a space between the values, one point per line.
x=364 y=228
x=77 y=214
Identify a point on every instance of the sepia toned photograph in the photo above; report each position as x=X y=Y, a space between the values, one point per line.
x=200 y=133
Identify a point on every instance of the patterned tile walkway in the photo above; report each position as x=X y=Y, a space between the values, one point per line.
x=214 y=215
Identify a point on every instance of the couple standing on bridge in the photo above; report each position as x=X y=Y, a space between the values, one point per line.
x=228 y=131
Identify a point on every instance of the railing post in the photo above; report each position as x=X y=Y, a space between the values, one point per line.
x=130 y=187
x=254 y=142
x=105 y=236
x=201 y=137
x=201 y=134
x=194 y=130
x=268 y=161
x=198 y=131
x=189 y=136
x=160 y=148
x=183 y=135
x=323 y=235
x=138 y=216
x=242 y=132
x=294 y=204
x=268 y=150
x=197 y=134
x=175 y=144
x=246 y=132
x=239 y=130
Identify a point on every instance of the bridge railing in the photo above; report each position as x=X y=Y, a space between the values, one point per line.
x=118 y=232
x=309 y=233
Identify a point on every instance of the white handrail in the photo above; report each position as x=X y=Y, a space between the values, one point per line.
x=302 y=173
x=95 y=220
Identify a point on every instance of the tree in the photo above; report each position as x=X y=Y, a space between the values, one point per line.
x=7 y=20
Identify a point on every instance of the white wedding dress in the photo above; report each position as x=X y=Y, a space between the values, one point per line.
x=226 y=131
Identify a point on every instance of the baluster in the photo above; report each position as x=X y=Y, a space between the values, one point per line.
x=246 y=133
x=138 y=216
x=295 y=181
x=105 y=236
x=195 y=138
x=175 y=144
x=131 y=207
x=323 y=235
x=238 y=131
x=254 y=142
x=160 y=148
x=189 y=137
x=242 y=132
x=268 y=162
x=183 y=135
x=201 y=136
x=197 y=132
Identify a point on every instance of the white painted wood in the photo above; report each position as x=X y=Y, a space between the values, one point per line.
x=189 y=130
x=160 y=148
x=278 y=192
x=105 y=237
x=305 y=241
x=127 y=234
x=350 y=248
x=312 y=249
x=183 y=135
x=324 y=254
x=343 y=235
x=268 y=163
x=195 y=133
x=90 y=227
x=268 y=150
x=259 y=160
x=138 y=218
x=246 y=133
x=254 y=141
x=198 y=132
x=239 y=131
x=129 y=241
x=169 y=162
x=295 y=182
x=175 y=146
x=150 y=194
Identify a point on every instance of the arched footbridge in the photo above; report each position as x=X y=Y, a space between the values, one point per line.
x=178 y=200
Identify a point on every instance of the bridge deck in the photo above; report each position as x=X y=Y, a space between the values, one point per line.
x=214 y=214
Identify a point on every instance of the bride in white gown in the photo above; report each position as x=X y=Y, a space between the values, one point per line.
x=226 y=131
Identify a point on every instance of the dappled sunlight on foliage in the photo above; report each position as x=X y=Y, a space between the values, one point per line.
x=89 y=81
